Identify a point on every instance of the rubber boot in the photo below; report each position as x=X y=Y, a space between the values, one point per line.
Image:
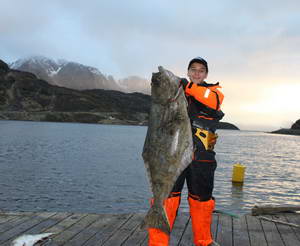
x=156 y=236
x=201 y=215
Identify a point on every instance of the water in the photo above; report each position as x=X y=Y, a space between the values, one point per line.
x=98 y=168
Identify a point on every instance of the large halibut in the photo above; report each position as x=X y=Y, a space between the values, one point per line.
x=168 y=146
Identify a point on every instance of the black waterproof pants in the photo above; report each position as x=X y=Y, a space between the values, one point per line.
x=199 y=175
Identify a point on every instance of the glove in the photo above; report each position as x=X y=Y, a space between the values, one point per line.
x=184 y=82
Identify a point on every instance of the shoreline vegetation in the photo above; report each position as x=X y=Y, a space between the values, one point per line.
x=23 y=96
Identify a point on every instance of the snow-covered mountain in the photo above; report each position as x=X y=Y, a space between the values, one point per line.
x=77 y=76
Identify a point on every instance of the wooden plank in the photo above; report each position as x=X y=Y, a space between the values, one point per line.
x=97 y=229
x=50 y=222
x=6 y=218
x=64 y=224
x=256 y=234
x=240 y=232
x=179 y=228
x=107 y=229
x=214 y=226
x=187 y=237
x=145 y=242
x=12 y=213
x=74 y=229
x=125 y=231
x=286 y=232
x=13 y=223
x=138 y=236
x=224 y=236
x=294 y=218
x=20 y=228
x=271 y=233
x=90 y=230
x=41 y=227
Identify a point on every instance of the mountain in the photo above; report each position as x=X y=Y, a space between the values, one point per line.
x=66 y=74
x=77 y=76
x=23 y=96
x=294 y=130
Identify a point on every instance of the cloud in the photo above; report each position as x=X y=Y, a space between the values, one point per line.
x=249 y=44
x=121 y=35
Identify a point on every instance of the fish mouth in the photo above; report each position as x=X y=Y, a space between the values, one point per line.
x=161 y=69
x=155 y=79
x=156 y=76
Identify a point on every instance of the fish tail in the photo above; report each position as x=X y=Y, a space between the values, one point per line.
x=156 y=218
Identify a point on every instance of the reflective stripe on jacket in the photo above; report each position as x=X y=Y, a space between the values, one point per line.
x=207 y=94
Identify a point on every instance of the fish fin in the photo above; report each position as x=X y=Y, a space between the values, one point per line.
x=156 y=218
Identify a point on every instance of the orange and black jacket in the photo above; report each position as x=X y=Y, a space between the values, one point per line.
x=204 y=103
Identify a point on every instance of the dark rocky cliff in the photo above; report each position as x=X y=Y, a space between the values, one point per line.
x=296 y=125
x=25 y=97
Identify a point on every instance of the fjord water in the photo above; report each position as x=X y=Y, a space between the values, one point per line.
x=98 y=168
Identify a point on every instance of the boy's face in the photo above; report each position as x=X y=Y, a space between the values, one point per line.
x=197 y=73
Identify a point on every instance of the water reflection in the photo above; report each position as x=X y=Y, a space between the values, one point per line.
x=237 y=195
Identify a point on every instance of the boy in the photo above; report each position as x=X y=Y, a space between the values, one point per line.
x=204 y=101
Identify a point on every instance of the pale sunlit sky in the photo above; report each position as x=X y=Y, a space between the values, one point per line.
x=252 y=47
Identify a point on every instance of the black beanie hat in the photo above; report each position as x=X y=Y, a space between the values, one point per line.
x=200 y=60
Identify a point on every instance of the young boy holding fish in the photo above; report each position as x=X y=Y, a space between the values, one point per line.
x=204 y=102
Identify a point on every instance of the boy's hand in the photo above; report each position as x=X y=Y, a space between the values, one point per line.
x=183 y=82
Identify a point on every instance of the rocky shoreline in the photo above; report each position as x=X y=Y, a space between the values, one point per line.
x=112 y=118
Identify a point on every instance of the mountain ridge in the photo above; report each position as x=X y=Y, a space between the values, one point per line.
x=77 y=76
x=23 y=96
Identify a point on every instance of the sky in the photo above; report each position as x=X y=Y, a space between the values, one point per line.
x=252 y=47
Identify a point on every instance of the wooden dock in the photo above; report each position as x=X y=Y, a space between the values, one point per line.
x=123 y=229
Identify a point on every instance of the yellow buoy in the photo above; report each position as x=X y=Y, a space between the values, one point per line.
x=238 y=173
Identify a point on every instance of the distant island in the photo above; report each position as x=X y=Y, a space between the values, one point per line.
x=23 y=96
x=227 y=126
x=294 y=130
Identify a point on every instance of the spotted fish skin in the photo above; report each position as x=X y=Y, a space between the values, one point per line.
x=168 y=146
